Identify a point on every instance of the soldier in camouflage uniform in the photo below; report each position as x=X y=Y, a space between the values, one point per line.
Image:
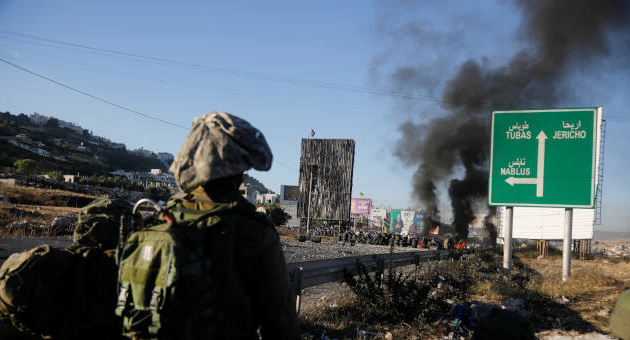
x=620 y=316
x=209 y=169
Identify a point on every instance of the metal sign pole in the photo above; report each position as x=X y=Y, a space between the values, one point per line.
x=566 y=246
x=507 y=240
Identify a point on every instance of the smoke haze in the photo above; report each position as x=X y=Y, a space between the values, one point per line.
x=561 y=35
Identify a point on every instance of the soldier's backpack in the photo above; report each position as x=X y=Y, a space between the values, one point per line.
x=173 y=283
x=61 y=293
x=99 y=222
x=68 y=293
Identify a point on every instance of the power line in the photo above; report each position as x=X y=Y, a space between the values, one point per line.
x=303 y=101
x=93 y=96
x=284 y=165
x=110 y=102
x=237 y=72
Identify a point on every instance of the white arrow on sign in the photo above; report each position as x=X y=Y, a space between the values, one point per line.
x=540 y=171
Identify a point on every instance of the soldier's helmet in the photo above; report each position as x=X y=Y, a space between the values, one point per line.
x=219 y=145
x=620 y=316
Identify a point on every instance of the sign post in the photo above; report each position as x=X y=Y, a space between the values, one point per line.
x=566 y=244
x=507 y=241
x=544 y=158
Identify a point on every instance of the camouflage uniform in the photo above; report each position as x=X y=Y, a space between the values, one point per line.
x=208 y=170
x=620 y=316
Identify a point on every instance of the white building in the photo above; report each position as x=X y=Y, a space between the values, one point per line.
x=38 y=119
x=248 y=193
x=267 y=198
x=41 y=120
x=124 y=173
x=70 y=178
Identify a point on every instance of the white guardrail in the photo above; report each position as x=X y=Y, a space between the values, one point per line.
x=312 y=273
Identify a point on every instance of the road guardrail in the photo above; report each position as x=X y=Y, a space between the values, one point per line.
x=313 y=273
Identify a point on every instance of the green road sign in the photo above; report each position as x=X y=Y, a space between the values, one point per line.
x=544 y=158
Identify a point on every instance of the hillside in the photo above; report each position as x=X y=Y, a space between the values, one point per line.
x=255 y=184
x=64 y=146
x=610 y=235
x=56 y=145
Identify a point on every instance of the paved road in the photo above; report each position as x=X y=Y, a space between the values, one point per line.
x=294 y=251
x=9 y=246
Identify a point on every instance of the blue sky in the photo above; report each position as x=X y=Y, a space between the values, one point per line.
x=276 y=64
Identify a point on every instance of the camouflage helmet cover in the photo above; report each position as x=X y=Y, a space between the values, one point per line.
x=219 y=145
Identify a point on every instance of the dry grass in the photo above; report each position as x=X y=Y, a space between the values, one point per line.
x=37 y=208
x=411 y=304
x=18 y=194
x=581 y=305
x=287 y=234
x=586 y=277
x=591 y=290
x=38 y=218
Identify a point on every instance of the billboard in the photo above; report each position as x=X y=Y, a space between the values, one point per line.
x=361 y=206
x=538 y=223
x=418 y=222
x=326 y=167
x=376 y=217
x=406 y=222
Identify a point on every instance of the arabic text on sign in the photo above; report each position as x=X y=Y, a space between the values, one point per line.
x=519 y=131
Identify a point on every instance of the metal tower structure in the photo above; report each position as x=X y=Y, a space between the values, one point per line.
x=600 y=175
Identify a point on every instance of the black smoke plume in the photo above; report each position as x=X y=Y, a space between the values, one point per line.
x=488 y=224
x=561 y=34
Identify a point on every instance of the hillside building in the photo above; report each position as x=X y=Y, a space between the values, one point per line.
x=248 y=193
x=38 y=119
x=267 y=198
x=70 y=178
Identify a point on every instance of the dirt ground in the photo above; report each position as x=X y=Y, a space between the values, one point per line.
x=577 y=309
x=420 y=303
x=18 y=220
x=27 y=212
x=592 y=289
x=18 y=194
x=612 y=242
